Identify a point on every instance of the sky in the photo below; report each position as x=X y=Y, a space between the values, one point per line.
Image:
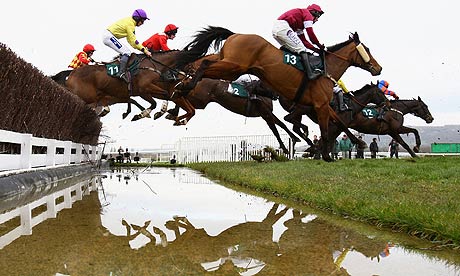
x=416 y=43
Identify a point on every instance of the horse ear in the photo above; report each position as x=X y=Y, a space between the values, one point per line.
x=419 y=99
x=356 y=38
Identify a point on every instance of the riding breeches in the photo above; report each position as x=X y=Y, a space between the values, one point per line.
x=110 y=40
x=287 y=37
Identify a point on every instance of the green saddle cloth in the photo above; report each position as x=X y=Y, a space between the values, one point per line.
x=293 y=60
x=370 y=112
x=239 y=90
x=113 y=68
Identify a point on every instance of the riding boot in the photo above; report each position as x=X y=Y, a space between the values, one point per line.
x=311 y=75
x=342 y=105
x=123 y=66
x=381 y=114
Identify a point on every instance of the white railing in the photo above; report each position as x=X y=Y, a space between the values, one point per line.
x=57 y=152
x=226 y=148
x=27 y=221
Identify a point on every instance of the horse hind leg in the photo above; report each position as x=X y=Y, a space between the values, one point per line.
x=295 y=119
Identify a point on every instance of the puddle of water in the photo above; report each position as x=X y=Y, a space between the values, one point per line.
x=161 y=221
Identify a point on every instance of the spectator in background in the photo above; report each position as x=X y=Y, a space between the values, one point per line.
x=127 y=156
x=360 y=148
x=374 y=148
x=316 y=148
x=345 y=147
x=120 y=155
x=335 y=150
x=136 y=157
x=394 y=148
x=173 y=160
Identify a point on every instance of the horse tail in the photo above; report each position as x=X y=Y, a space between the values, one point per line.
x=61 y=77
x=199 y=46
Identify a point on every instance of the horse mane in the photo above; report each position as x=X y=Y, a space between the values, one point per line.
x=339 y=46
x=163 y=52
x=364 y=88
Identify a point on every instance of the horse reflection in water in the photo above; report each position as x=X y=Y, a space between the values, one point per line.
x=315 y=247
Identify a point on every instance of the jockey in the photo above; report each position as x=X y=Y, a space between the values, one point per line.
x=158 y=41
x=125 y=28
x=289 y=28
x=383 y=86
x=83 y=57
x=339 y=89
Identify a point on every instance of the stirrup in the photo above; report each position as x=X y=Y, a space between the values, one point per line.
x=124 y=76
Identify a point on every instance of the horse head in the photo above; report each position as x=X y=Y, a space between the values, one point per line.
x=420 y=110
x=355 y=53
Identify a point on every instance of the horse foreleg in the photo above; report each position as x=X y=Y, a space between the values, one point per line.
x=128 y=110
x=400 y=140
x=173 y=113
x=189 y=109
x=407 y=130
x=323 y=122
x=145 y=112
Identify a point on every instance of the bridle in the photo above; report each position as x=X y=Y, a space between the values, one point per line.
x=362 y=52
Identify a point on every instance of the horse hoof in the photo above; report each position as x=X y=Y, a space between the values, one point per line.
x=136 y=117
x=157 y=115
x=170 y=117
x=124 y=115
x=416 y=149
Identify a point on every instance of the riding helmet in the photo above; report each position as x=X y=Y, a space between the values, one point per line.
x=171 y=29
x=315 y=10
x=88 y=48
x=140 y=14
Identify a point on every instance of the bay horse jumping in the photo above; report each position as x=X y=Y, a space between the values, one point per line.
x=251 y=105
x=393 y=122
x=252 y=54
x=356 y=100
x=96 y=87
x=61 y=79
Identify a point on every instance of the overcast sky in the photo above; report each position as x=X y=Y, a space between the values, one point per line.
x=415 y=42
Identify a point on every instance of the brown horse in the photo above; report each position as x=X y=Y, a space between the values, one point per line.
x=251 y=105
x=61 y=79
x=252 y=54
x=356 y=100
x=393 y=120
x=94 y=85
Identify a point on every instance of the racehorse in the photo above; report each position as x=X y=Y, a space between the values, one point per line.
x=93 y=84
x=393 y=120
x=252 y=54
x=61 y=79
x=356 y=100
x=251 y=105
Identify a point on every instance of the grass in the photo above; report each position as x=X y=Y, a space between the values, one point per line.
x=417 y=196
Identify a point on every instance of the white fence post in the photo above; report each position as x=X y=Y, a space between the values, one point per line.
x=26 y=220
x=26 y=151
x=51 y=152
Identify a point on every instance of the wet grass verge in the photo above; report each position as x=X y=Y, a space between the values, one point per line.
x=417 y=196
